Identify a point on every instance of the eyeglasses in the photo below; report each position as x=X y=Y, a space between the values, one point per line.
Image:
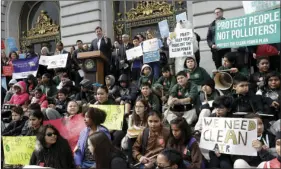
x=51 y=134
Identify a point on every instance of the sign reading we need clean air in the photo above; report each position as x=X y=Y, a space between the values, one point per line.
x=249 y=30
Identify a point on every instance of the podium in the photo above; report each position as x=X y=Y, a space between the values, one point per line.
x=93 y=65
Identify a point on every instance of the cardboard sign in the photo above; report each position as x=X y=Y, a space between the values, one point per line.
x=229 y=135
x=18 y=150
x=181 y=44
x=8 y=70
x=114 y=115
x=249 y=30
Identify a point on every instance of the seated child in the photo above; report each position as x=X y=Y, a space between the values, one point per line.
x=264 y=142
x=182 y=140
x=20 y=96
x=151 y=141
x=164 y=84
x=182 y=99
x=146 y=94
x=257 y=80
x=146 y=75
x=40 y=98
x=197 y=75
x=10 y=93
x=18 y=122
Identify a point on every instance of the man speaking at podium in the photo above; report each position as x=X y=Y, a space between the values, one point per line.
x=103 y=44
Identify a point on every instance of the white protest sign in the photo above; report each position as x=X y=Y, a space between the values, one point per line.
x=182 y=44
x=57 y=61
x=150 y=45
x=229 y=135
x=257 y=6
x=44 y=60
x=134 y=53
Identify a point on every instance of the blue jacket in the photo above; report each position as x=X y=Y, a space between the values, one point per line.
x=80 y=152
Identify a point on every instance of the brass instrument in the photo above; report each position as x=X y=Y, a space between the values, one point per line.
x=223 y=80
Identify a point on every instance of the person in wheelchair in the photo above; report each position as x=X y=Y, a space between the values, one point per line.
x=181 y=100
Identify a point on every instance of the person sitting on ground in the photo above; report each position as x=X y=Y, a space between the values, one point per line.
x=146 y=75
x=170 y=158
x=86 y=93
x=150 y=97
x=10 y=93
x=113 y=90
x=20 y=96
x=18 y=122
x=40 y=98
x=48 y=87
x=35 y=123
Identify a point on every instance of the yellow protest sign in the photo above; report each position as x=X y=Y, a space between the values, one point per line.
x=18 y=150
x=114 y=116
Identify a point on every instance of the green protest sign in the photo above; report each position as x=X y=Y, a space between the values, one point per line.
x=249 y=30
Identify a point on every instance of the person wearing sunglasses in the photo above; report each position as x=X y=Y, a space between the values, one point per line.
x=52 y=150
x=170 y=159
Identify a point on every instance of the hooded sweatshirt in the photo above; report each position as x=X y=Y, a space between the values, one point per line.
x=112 y=88
x=198 y=75
x=22 y=97
x=146 y=78
x=42 y=101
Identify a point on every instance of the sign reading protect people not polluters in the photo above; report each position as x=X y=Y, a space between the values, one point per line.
x=249 y=30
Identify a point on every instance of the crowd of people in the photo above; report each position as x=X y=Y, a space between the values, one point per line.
x=167 y=107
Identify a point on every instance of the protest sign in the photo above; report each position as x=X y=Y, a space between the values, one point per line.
x=181 y=45
x=44 y=60
x=150 y=45
x=152 y=56
x=164 y=28
x=114 y=116
x=8 y=70
x=56 y=61
x=25 y=67
x=12 y=44
x=257 y=6
x=18 y=150
x=249 y=30
x=181 y=17
x=4 y=82
x=69 y=128
x=133 y=53
x=229 y=135
x=2 y=44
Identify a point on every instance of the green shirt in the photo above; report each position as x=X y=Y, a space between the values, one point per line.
x=166 y=83
x=198 y=76
x=190 y=90
x=153 y=101
x=244 y=71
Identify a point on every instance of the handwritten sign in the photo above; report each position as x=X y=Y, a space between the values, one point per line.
x=151 y=45
x=56 y=61
x=8 y=70
x=114 y=116
x=229 y=135
x=181 y=45
x=18 y=150
x=153 y=56
x=134 y=53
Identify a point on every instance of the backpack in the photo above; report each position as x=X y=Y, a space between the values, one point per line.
x=191 y=141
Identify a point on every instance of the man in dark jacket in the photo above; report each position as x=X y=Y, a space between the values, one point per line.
x=124 y=64
x=217 y=54
x=76 y=62
x=103 y=44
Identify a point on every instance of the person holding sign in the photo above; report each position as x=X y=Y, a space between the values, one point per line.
x=137 y=62
x=52 y=150
x=264 y=142
x=182 y=97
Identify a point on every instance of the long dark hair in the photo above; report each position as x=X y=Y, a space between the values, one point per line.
x=136 y=118
x=59 y=154
x=186 y=133
x=174 y=157
x=103 y=150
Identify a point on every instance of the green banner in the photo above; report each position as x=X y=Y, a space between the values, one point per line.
x=249 y=30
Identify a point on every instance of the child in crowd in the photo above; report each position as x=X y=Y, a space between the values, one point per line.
x=271 y=93
x=182 y=97
x=93 y=118
x=257 y=80
x=137 y=62
x=170 y=158
x=113 y=89
x=58 y=110
x=221 y=108
x=31 y=83
x=20 y=96
x=18 y=122
x=197 y=75
x=72 y=109
x=151 y=141
x=146 y=75
x=244 y=100
x=48 y=87
x=128 y=93
x=40 y=98
x=182 y=140
x=10 y=93
x=164 y=84
x=35 y=123
x=146 y=94
x=264 y=142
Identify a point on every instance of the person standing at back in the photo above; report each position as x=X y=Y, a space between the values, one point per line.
x=217 y=54
x=124 y=64
x=102 y=43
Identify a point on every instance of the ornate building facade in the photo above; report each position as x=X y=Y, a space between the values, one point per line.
x=42 y=23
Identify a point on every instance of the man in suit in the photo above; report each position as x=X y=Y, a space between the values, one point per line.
x=103 y=44
x=124 y=64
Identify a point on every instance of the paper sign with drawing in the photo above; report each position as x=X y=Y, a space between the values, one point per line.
x=114 y=115
x=18 y=150
x=229 y=135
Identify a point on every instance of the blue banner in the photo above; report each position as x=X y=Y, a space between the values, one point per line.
x=12 y=44
x=153 y=56
x=24 y=67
